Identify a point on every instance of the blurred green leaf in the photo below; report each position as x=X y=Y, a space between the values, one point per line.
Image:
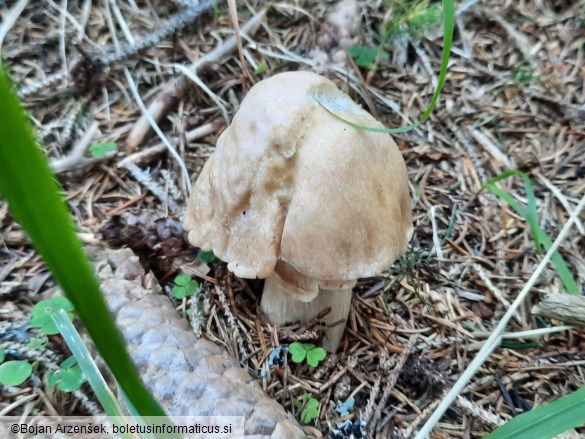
x=261 y=68
x=365 y=56
x=67 y=379
x=14 y=373
x=35 y=201
x=179 y=292
x=524 y=74
x=519 y=345
x=415 y=18
x=101 y=149
x=185 y=286
x=547 y=421
x=69 y=362
x=206 y=257
x=182 y=280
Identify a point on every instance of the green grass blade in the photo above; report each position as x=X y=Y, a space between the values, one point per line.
x=92 y=373
x=448 y=28
x=451 y=226
x=88 y=366
x=557 y=260
x=507 y=198
x=136 y=416
x=530 y=214
x=547 y=421
x=35 y=202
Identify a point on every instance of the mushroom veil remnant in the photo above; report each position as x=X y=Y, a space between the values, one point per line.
x=296 y=196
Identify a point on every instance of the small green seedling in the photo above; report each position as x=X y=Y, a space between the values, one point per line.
x=261 y=68
x=14 y=373
x=206 y=256
x=69 y=377
x=45 y=309
x=524 y=75
x=365 y=56
x=101 y=149
x=310 y=411
x=312 y=353
x=412 y=17
x=184 y=286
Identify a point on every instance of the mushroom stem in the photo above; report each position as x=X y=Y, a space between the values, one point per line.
x=281 y=307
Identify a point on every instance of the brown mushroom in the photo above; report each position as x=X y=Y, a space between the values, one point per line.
x=296 y=196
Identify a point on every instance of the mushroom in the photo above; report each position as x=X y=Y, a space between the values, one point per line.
x=295 y=196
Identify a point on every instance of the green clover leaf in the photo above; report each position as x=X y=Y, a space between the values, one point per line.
x=68 y=377
x=315 y=356
x=310 y=412
x=182 y=280
x=298 y=351
x=312 y=353
x=69 y=363
x=184 y=286
x=42 y=312
x=179 y=292
x=68 y=380
x=14 y=373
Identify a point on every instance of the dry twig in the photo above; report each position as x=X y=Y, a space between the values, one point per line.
x=390 y=384
x=173 y=91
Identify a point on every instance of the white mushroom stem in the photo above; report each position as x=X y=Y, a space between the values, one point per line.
x=281 y=306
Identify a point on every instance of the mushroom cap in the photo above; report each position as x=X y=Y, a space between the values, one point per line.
x=289 y=183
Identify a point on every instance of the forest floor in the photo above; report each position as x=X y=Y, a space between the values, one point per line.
x=514 y=98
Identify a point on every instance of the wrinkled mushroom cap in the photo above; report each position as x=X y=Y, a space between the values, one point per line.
x=289 y=183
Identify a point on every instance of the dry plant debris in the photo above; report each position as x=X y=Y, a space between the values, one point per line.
x=514 y=97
